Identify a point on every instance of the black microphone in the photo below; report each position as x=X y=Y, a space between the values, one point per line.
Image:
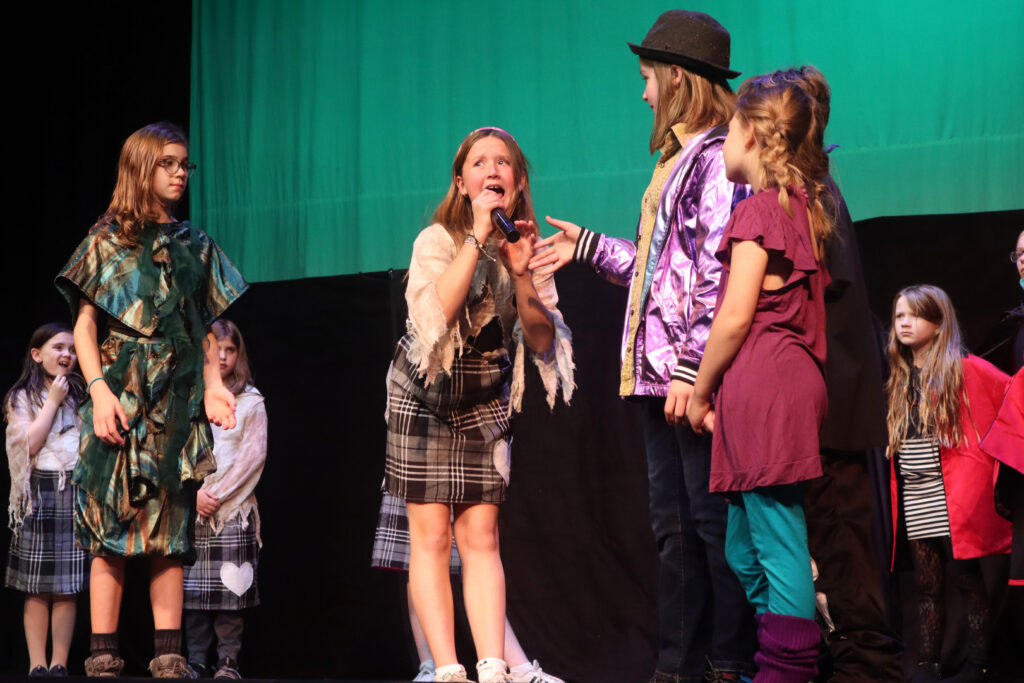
x=507 y=227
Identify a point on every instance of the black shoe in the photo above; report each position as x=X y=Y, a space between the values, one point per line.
x=58 y=671
x=39 y=672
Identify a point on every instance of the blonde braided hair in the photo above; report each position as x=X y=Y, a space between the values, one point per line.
x=790 y=138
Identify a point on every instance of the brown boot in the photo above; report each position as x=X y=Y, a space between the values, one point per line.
x=103 y=666
x=170 y=666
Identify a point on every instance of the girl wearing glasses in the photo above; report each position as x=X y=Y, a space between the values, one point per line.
x=154 y=387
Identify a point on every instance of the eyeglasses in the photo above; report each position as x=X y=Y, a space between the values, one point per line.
x=1015 y=255
x=171 y=165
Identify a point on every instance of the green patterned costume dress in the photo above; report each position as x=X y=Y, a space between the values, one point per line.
x=159 y=295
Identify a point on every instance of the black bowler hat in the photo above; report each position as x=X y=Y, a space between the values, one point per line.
x=692 y=40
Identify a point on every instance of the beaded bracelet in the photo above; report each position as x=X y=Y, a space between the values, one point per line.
x=471 y=239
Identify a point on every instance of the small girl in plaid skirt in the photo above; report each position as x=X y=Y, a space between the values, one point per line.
x=452 y=389
x=42 y=447
x=222 y=582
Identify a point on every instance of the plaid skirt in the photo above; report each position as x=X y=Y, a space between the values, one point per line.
x=391 y=541
x=223 y=576
x=447 y=441
x=43 y=557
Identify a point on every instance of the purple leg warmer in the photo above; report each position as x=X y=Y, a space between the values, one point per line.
x=789 y=649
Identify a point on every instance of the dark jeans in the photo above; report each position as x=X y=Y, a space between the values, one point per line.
x=200 y=625
x=838 y=509
x=702 y=610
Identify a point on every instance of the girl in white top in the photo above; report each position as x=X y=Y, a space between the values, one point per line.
x=42 y=448
x=222 y=582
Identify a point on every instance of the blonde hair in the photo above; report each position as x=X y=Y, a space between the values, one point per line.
x=698 y=103
x=241 y=377
x=455 y=211
x=133 y=203
x=941 y=374
x=782 y=116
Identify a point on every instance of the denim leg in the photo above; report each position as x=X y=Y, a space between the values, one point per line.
x=734 y=631
x=228 y=624
x=742 y=557
x=198 y=634
x=684 y=596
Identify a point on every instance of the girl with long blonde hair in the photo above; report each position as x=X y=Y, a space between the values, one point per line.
x=942 y=401
x=475 y=313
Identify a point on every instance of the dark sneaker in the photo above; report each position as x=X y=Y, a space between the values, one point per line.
x=170 y=666
x=227 y=668
x=103 y=666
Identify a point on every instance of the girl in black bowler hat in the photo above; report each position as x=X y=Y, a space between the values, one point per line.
x=706 y=627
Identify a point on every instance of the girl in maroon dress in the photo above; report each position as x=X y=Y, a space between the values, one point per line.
x=764 y=358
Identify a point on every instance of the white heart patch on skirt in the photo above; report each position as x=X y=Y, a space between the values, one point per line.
x=236 y=579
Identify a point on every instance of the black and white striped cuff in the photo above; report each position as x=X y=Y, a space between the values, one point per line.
x=686 y=372
x=586 y=246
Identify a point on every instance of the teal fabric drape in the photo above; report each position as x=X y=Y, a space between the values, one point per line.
x=324 y=129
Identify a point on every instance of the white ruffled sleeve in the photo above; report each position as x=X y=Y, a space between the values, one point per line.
x=556 y=366
x=19 y=416
x=435 y=340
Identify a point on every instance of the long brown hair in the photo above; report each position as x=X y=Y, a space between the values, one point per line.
x=133 y=203
x=33 y=378
x=455 y=212
x=242 y=375
x=698 y=103
x=782 y=115
x=941 y=375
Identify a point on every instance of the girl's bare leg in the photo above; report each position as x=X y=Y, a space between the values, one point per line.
x=106 y=583
x=65 y=607
x=483 y=577
x=37 y=625
x=422 y=649
x=166 y=592
x=430 y=587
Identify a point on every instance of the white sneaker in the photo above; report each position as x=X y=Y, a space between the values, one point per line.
x=426 y=672
x=457 y=676
x=492 y=670
x=534 y=675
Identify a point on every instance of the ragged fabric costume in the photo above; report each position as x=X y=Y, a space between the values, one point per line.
x=159 y=294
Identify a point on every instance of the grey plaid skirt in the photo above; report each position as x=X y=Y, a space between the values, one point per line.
x=43 y=557
x=223 y=576
x=391 y=541
x=446 y=440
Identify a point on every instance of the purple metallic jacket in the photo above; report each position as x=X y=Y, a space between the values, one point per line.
x=672 y=301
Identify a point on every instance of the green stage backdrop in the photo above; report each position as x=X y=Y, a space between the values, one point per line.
x=324 y=129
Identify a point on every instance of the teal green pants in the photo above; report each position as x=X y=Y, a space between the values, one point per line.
x=766 y=546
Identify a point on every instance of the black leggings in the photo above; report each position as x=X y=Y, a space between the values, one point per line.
x=930 y=556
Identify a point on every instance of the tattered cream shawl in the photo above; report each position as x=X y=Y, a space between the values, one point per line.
x=61 y=443
x=491 y=294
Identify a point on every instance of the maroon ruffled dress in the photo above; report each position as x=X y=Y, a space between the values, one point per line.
x=772 y=400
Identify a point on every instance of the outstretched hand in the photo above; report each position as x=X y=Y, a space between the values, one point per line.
x=516 y=255
x=220 y=406
x=551 y=253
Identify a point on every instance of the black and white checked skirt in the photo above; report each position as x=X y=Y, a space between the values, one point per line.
x=391 y=540
x=223 y=576
x=43 y=557
x=447 y=440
